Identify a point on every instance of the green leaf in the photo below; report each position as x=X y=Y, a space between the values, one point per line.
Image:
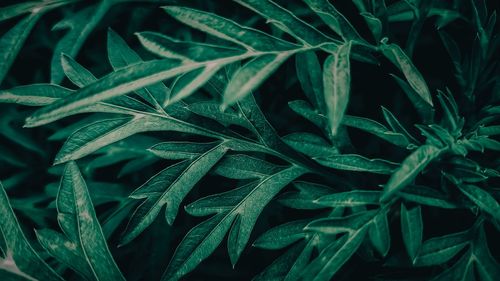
x=287 y=22
x=337 y=85
x=427 y=196
x=439 y=250
x=212 y=110
x=396 y=126
x=486 y=265
x=409 y=169
x=379 y=233
x=34 y=94
x=74 y=202
x=121 y=55
x=425 y=110
x=337 y=225
x=310 y=144
x=350 y=199
x=334 y=19
x=462 y=270
x=377 y=129
x=250 y=76
x=188 y=83
x=397 y=56
x=169 y=188
x=21 y=258
x=412 y=229
x=203 y=239
x=283 y=235
x=306 y=196
x=358 y=163
x=65 y=251
x=285 y=265
x=374 y=24
x=15 y=10
x=482 y=199
x=242 y=166
x=179 y=150
x=333 y=257
x=251 y=39
x=310 y=77
x=12 y=41
x=96 y=135
x=186 y=51
x=80 y=26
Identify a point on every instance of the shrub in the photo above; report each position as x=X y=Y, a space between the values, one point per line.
x=291 y=140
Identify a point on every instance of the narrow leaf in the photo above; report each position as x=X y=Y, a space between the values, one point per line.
x=410 y=168
x=482 y=199
x=412 y=229
x=21 y=256
x=397 y=56
x=12 y=42
x=250 y=76
x=337 y=85
x=358 y=163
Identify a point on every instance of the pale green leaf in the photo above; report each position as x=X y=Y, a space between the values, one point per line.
x=397 y=56
x=337 y=85
x=410 y=168
x=34 y=94
x=121 y=55
x=171 y=48
x=226 y=29
x=96 y=135
x=250 y=76
x=190 y=82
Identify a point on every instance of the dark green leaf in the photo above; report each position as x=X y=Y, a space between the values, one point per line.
x=412 y=229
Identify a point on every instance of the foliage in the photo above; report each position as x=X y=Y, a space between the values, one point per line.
x=317 y=140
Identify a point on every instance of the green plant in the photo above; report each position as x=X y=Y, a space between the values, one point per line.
x=294 y=158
